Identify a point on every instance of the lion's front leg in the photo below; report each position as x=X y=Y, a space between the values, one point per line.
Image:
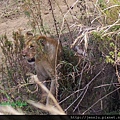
x=42 y=75
x=53 y=90
x=53 y=85
x=43 y=92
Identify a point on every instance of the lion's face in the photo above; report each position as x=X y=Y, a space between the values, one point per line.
x=29 y=51
x=40 y=48
x=35 y=49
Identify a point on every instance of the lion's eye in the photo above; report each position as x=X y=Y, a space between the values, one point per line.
x=31 y=46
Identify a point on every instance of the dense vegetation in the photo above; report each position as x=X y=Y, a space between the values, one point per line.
x=89 y=79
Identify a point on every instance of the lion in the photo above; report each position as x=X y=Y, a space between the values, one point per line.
x=45 y=53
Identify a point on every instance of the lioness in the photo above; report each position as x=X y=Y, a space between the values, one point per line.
x=45 y=53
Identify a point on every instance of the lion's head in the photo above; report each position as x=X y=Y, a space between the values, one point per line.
x=38 y=47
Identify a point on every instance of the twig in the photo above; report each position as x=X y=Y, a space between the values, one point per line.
x=65 y=21
x=54 y=18
x=85 y=88
x=100 y=100
x=65 y=16
x=48 y=108
x=50 y=94
x=70 y=96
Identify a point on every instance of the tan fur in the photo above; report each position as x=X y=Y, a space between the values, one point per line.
x=46 y=53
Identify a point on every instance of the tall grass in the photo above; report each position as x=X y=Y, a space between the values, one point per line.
x=89 y=77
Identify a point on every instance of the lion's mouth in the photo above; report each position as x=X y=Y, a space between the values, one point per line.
x=31 y=61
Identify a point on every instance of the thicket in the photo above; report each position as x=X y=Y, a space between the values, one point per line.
x=89 y=82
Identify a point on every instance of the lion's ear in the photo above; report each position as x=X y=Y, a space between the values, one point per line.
x=41 y=40
x=29 y=34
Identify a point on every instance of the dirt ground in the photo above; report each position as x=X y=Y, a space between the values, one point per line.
x=12 y=17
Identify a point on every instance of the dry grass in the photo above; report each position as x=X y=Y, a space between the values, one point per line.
x=89 y=81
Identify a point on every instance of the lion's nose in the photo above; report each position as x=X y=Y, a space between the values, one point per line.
x=24 y=55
